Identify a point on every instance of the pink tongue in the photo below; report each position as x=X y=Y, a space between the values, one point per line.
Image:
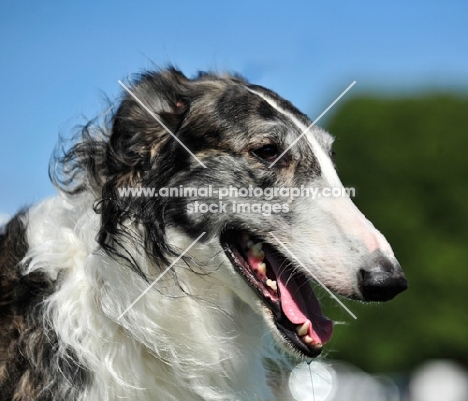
x=300 y=304
x=290 y=308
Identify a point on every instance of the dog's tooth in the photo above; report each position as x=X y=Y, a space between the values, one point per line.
x=303 y=330
x=257 y=252
x=256 y=247
x=249 y=243
x=307 y=339
x=262 y=267
x=272 y=284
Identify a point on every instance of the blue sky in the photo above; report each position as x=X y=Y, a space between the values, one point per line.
x=59 y=58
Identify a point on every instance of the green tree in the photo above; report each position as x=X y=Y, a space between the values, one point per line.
x=407 y=159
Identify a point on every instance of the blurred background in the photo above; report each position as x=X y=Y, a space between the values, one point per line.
x=401 y=141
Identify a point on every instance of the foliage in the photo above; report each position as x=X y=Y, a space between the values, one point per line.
x=407 y=159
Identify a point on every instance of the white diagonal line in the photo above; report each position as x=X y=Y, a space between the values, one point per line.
x=311 y=125
x=160 y=276
x=159 y=121
x=315 y=277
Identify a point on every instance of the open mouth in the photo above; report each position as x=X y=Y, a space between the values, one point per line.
x=283 y=288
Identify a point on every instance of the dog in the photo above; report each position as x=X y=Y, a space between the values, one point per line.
x=110 y=292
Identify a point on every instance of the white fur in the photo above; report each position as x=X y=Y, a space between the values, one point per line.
x=208 y=345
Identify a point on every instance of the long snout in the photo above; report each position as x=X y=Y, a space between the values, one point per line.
x=381 y=280
x=348 y=254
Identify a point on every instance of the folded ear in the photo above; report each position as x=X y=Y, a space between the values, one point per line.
x=137 y=133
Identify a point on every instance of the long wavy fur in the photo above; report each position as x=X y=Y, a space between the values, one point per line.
x=101 y=250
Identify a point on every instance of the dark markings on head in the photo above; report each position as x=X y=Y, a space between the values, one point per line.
x=217 y=117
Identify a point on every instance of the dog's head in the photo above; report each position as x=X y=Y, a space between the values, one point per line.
x=271 y=242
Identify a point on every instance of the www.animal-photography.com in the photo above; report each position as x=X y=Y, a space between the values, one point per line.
x=238 y=201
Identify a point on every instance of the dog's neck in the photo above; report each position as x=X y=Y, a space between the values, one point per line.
x=187 y=338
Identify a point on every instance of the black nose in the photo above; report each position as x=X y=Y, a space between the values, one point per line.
x=382 y=280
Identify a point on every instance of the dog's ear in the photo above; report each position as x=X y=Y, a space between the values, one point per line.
x=158 y=103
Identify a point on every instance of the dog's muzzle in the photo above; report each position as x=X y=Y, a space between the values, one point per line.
x=382 y=281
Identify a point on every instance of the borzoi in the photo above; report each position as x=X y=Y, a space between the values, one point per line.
x=178 y=260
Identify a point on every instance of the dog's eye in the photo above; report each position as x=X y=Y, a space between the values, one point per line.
x=267 y=152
